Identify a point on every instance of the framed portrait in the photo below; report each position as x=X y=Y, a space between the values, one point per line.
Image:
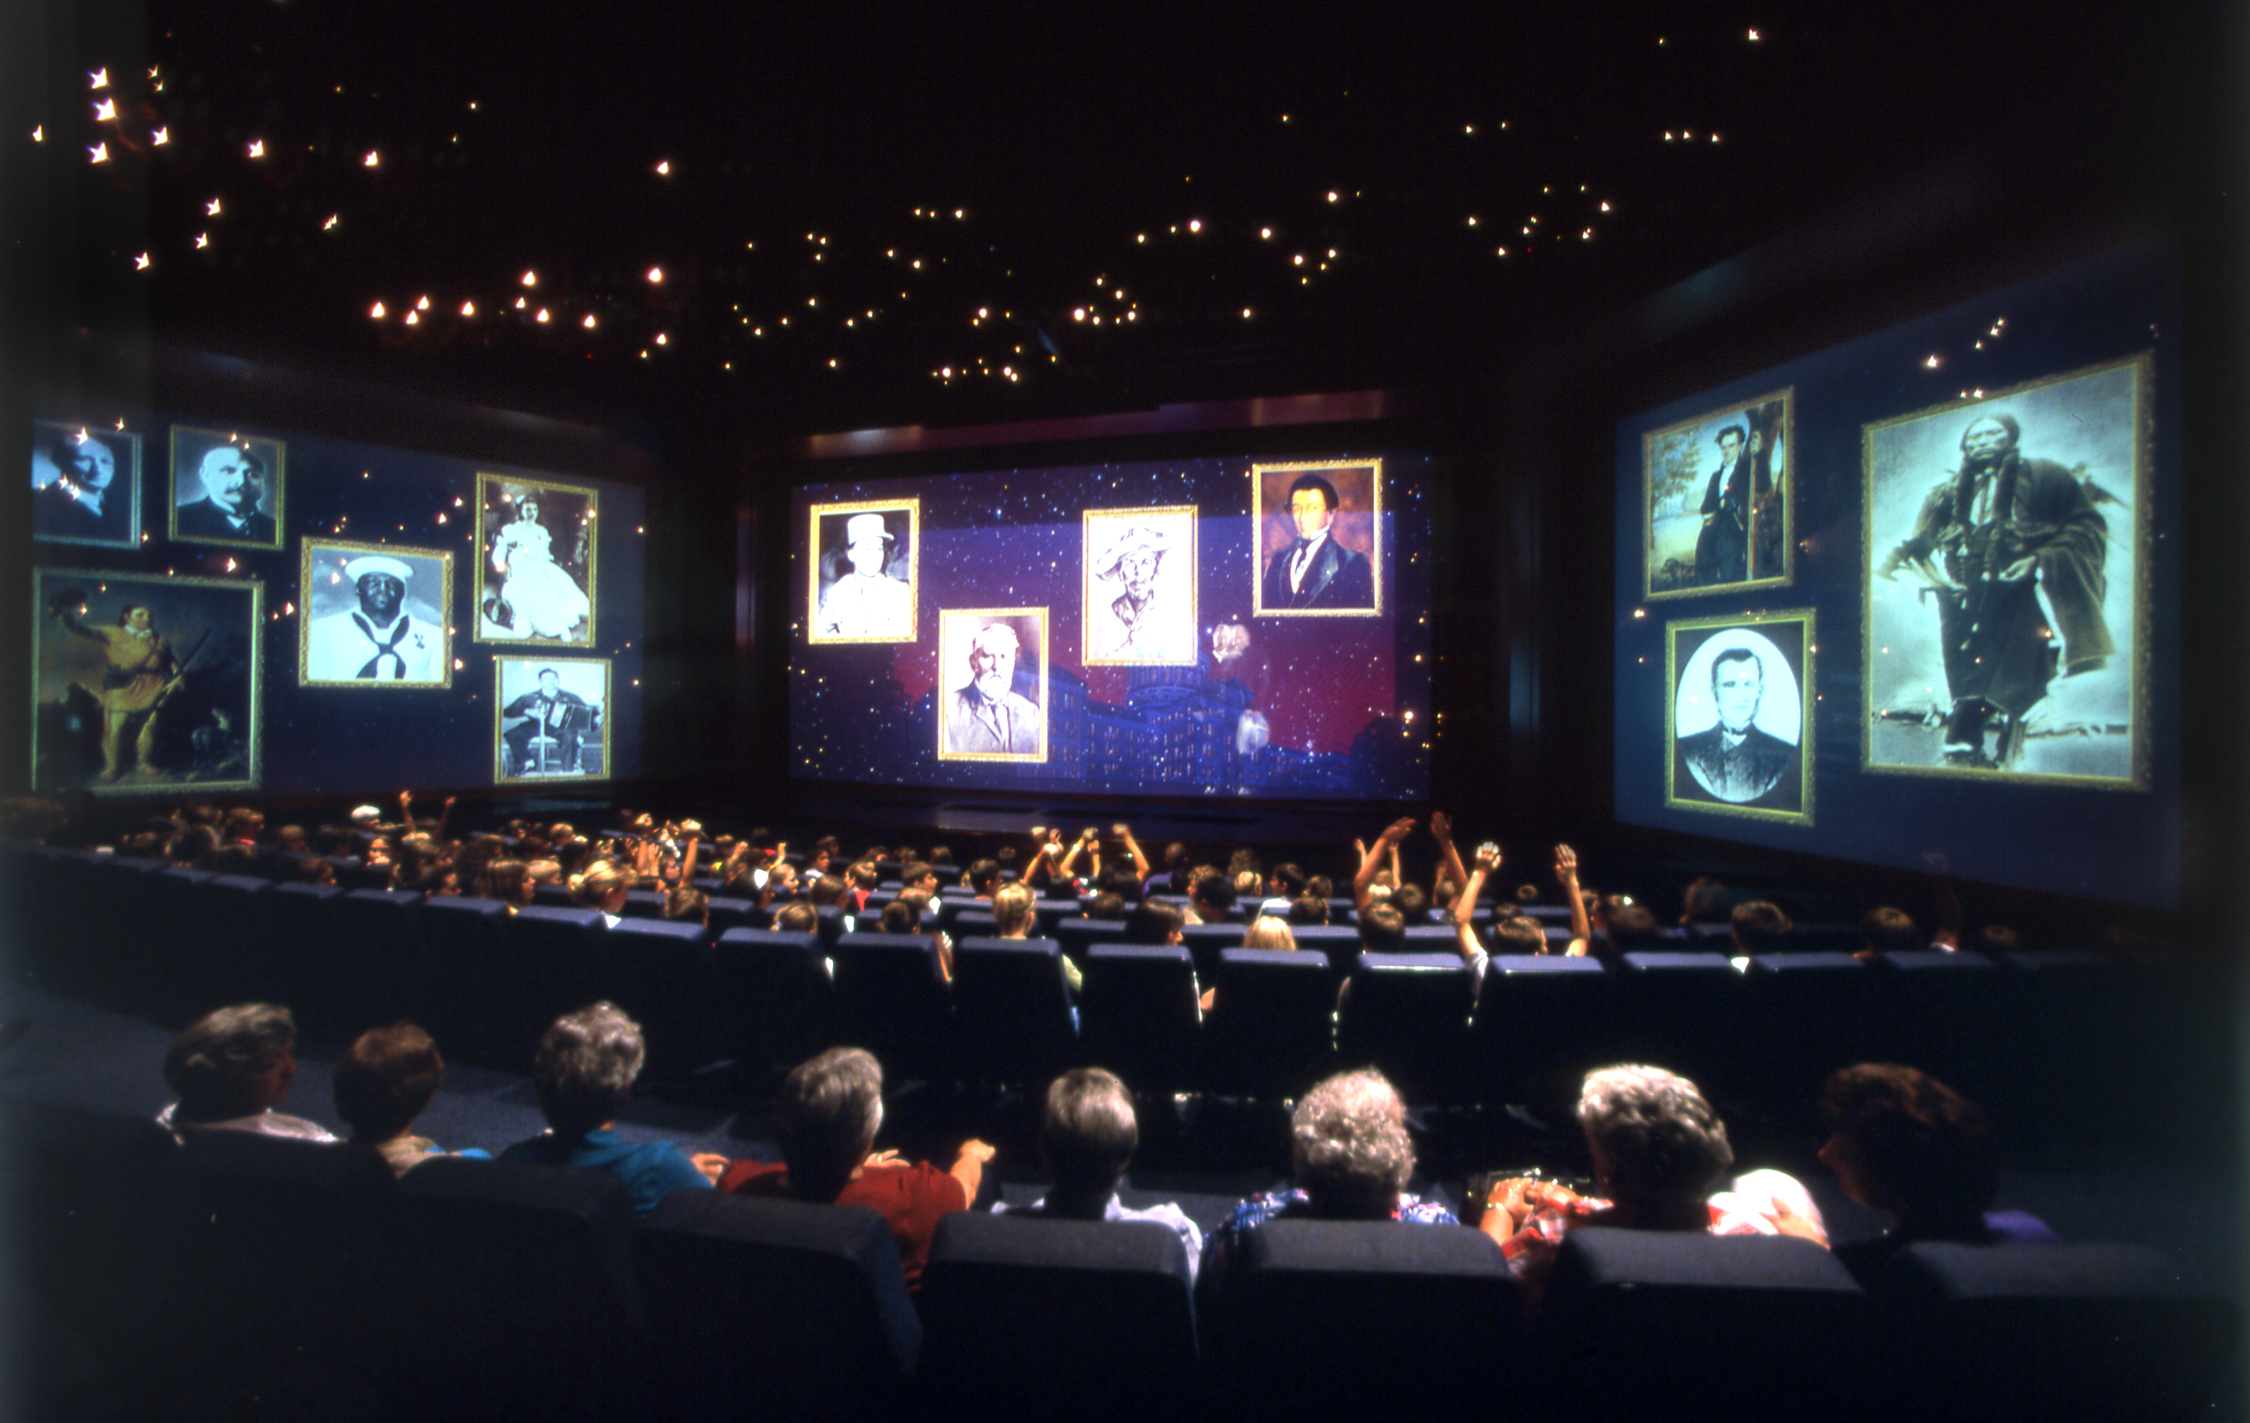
x=550 y=719
x=1319 y=551
x=2005 y=603
x=536 y=542
x=992 y=684
x=373 y=616
x=227 y=488
x=1139 y=587
x=1719 y=499
x=144 y=683
x=1741 y=715
x=863 y=558
x=85 y=485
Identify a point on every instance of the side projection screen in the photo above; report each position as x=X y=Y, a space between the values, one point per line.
x=1200 y=627
x=1914 y=600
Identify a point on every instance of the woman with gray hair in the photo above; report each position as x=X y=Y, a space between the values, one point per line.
x=231 y=1068
x=584 y=1073
x=1351 y=1160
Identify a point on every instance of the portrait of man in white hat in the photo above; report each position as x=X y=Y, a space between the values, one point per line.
x=863 y=580
x=373 y=616
x=1140 y=586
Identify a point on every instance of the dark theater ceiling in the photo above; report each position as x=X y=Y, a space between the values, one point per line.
x=817 y=215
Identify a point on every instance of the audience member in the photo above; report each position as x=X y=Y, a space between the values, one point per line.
x=1885 y=930
x=603 y=885
x=1350 y=1159
x=584 y=1074
x=230 y=1068
x=1087 y=1134
x=1760 y=927
x=1903 y=1143
x=827 y=1116
x=1658 y=1152
x=384 y=1081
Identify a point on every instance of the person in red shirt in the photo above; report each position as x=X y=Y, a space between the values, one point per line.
x=827 y=1116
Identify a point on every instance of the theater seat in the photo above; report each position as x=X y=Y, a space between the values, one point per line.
x=1542 y=1021
x=1271 y=1030
x=1408 y=1015
x=1364 y=1320
x=1033 y=1319
x=1138 y=1014
x=505 y=1290
x=2051 y=1332
x=774 y=996
x=892 y=1000
x=1012 y=1011
x=775 y=1309
x=1680 y=1324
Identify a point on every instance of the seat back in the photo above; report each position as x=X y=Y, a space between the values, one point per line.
x=892 y=1000
x=797 y=1310
x=662 y=974
x=1138 y=1016
x=1808 y=1014
x=1028 y=1316
x=1206 y=942
x=1542 y=1021
x=1079 y=936
x=507 y=1288
x=1271 y=1028
x=1680 y=1009
x=1367 y=1319
x=2055 y=1332
x=469 y=980
x=1408 y=1014
x=1012 y=1011
x=1938 y=1010
x=774 y=995
x=564 y=954
x=1645 y=1323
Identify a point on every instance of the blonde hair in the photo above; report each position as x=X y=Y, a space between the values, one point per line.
x=1270 y=933
x=598 y=881
x=1011 y=910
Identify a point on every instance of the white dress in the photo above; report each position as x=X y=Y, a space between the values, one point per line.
x=547 y=602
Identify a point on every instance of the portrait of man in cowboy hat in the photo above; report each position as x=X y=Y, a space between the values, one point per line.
x=1140 y=586
x=863 y=579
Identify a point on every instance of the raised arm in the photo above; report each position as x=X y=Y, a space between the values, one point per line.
x=1124 y=833
x=406 y=812
x=1371 y=861
x=968 y=1167
x=1449 y=866
x=693 y=830
x=445 y=817
x=1566 y=874
x=1464 y=908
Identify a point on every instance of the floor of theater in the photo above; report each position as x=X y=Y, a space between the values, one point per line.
x=69 y=1052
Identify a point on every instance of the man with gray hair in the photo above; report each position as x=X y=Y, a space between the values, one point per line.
x=231 y=1068
x=988 y=716
x=584 y=1074
x=826 y=1118
x=1350 y=1159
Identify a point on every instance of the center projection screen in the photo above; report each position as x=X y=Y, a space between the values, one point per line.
x=1238 y=627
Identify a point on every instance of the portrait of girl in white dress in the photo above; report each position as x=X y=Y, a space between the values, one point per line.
x=536 y=574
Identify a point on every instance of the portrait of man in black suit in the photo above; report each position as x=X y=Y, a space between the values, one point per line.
x=1739 y=726
x=225 y=491
x=86 y=486
x=1319 y=570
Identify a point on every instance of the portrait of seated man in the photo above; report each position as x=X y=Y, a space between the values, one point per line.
x=1735 y=760
x=1316 y=572
x=1140 y=586
x=986 y=715
x=387 y=635
x=84 y=486
x=226 y=495
x=552 y=714
x=867 y=596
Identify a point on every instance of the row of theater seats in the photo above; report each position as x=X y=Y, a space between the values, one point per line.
x=262 y=1277
x=2031 y=1029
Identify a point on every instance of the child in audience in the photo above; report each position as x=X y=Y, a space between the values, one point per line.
x=384 y=1081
